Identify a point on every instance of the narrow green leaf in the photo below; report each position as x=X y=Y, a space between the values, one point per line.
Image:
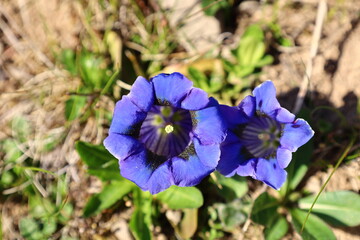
x=140 y=221
x=314 y=229
x=181 y=197
x=264 y=210
x=109 y=195
x=68 y=59
x=277 y=230
x=340 y=208
x=73 y=107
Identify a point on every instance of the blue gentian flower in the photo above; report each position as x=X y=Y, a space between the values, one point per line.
x=261 y=137
x=166 y=132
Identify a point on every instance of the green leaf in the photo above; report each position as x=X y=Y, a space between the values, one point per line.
x=109 y=195
x=99 y=161
x=277 y=230
x=10 y=147
x=22 y=128
x=181 y=197
x=340 y=208
x=264 y=210
x=199 y=78
x=40 y=207
x=73 y=107
x=231 y=214
x=301 y=160
x=92 y=70
x=254 y=31
x=314 y=229
x=68 y=59
x=266 y=60
x=7 y=178
x=28 y=227
x=33 y=229
x=232 y=188
x=211 y=8
x=140 y=221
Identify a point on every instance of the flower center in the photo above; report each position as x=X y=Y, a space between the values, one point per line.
x=166 y=130
x=261 y=136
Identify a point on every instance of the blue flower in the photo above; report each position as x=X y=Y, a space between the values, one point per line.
x=261 y=137
x=166 y=132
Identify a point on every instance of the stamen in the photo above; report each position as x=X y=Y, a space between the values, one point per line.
x=169 y=128
x=264 y=136
x=166 y=130
x=261 y=136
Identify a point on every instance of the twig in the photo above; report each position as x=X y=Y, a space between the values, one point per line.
x=321 y=13
x=123 y=85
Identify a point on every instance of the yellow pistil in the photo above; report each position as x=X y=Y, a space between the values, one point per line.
x=169 y=128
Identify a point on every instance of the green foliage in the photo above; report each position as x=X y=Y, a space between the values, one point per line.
x=211 y=7
x=74 y=106
x=140 y=221
x=110 y=194
x=277 y=33
x=277 y=230
x=250 y=53
x=210 y=84
x=45 y=216
x=231 y=214
x=99 y=161
x=231 y=188
x=68 y=59
x=264 y=210
x=93 y=70
x=181 y=197
x=314 y=229
x=340 y=208
x=33 y=229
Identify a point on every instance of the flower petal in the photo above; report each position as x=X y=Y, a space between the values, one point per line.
x=283 y=157
x=296 y=134
x=136 y=169
x=142 y=94
x=232 y=116
x=265 y=95
x=247 y=168
x=284 y=116
x=122 y=146
x=196 y=99
x=269 y=172
x=190 y=171
x=209 y=155
x=231 y=157
x=248 y=106
x=170 y=89
x=161 y=178
x=209 y=125
x=127 y=117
